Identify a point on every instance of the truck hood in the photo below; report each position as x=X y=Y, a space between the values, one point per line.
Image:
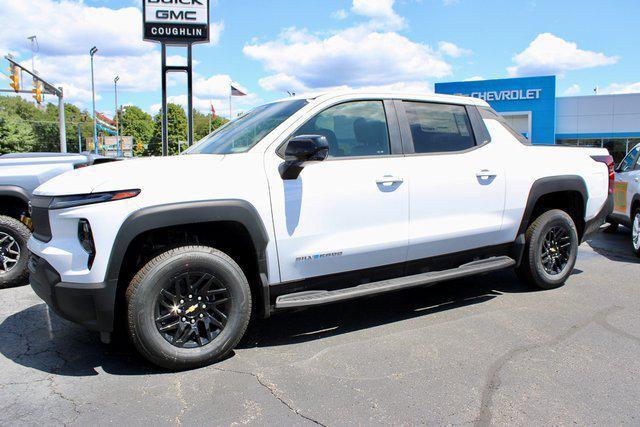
x=128 y=174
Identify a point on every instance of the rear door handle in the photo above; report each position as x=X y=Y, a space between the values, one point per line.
x=486 y=174
x=389 y=180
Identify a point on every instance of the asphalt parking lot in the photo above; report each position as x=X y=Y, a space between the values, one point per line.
x=484 y=350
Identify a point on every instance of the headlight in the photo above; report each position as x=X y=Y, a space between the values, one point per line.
x=85 y=236
x=62 y=202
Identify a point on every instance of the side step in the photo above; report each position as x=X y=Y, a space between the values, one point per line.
x=309 y=298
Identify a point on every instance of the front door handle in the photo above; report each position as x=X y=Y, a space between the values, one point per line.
x=486 y=174
x=636 y=179
x=389 y=180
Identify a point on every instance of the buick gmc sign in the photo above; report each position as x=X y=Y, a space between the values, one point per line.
x=176 y=21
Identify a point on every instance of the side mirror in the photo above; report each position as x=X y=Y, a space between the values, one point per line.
x=300 y=150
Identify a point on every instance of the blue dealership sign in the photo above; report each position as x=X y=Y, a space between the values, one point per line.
x=535 y=96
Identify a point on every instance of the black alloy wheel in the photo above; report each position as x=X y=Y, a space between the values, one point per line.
x=555 y=250
x=192 y=310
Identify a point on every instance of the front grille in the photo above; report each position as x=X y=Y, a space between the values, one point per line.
x=40 y=218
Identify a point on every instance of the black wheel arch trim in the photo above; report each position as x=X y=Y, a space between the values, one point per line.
x=15 y=191
x=185 y=213
x=548 y=185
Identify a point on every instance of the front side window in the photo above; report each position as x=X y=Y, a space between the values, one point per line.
x=353 y=129
x=241 y=134
x=439 y=128
x=627 y=163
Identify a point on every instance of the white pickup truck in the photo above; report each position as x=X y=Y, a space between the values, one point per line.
x=20 y=174
x=308 y=201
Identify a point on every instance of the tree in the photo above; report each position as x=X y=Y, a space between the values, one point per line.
x=138 y=124
x=177 y=130
x=201 y=124
x=16 y=135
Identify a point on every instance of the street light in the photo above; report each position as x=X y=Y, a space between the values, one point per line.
x=34 y=49
x=115 y=88
x=93 y=94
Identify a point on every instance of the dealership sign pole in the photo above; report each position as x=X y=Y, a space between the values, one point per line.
x=176 y=23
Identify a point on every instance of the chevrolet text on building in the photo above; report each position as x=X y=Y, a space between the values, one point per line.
x=176 y=21
x=308 y=201
x=506 y=95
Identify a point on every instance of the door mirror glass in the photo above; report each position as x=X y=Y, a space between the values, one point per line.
x=300 y=150
x=306 y=148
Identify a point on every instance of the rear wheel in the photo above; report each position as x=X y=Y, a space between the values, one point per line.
x=188 y=307
x=14 y=253
x=551 y=250
x=635 y=232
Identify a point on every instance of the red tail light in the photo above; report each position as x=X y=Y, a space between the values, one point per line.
x=607 y=160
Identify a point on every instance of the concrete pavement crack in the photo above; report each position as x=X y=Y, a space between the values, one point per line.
x=54 y=390
x=183 y=403
x=493 y=383
x=273 y=392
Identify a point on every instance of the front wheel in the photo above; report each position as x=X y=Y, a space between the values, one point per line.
x=14 y=253
x=188 y=307
x=551 y=250
x=635 y=232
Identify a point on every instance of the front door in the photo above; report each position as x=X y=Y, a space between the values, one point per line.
x=350 y=211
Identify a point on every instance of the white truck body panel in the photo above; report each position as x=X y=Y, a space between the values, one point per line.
x=336 y=216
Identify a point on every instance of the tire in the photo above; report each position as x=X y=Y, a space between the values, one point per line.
x=163 y=283
x=533 y=269
x=612 y=228
x=14 y=236
x=635 y=232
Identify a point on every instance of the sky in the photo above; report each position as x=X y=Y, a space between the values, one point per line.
x=271 y=47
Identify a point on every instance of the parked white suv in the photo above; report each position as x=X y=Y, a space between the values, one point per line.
x=627 y=197
x=308 y=201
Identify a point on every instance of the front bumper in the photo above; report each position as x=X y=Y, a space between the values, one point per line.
x=88 y=304
x=593 y=225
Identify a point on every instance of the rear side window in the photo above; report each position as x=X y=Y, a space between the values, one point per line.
x=488 y=113
x=439 y=128
x=627 y=163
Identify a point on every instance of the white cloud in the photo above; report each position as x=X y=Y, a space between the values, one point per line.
x=549 y=54
x=353 y=57
x=572 y=90
x=339 y=14
x=618 y=88
x=380 y=13
x=66 y=29
x=452 y=50
x=474 y=79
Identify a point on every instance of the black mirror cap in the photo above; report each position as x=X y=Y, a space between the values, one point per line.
x=306 y=148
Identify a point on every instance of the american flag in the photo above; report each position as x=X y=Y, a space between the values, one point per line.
x=213 y=110
x=236 y=92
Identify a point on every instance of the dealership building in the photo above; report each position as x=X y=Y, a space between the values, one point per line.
x=531 y=107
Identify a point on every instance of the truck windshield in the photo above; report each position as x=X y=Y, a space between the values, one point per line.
x=241 y=134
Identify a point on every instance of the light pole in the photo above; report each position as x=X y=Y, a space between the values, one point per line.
x=115 y=88
x=34 y=49
x=93 y=94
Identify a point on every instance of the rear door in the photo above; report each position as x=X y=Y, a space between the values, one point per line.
x=457 y=190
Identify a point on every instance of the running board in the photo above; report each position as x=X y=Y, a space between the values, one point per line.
x=310 y=298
